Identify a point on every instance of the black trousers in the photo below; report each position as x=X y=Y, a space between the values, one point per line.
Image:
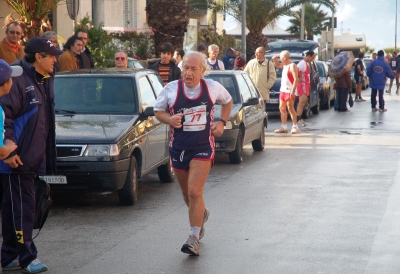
x=374 y=91
x=342 y=94
x=18 y=214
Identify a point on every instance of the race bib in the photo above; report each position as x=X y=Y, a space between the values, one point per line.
x=195 y=118
x=393 y=63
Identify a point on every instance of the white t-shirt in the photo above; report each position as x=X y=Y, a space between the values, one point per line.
x=167 y=96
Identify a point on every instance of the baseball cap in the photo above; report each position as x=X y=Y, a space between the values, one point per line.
x=7 y=71
x=40 y=44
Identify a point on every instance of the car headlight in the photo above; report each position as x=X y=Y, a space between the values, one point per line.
x=102 y=150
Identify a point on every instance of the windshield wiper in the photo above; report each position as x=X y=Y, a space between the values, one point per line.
x=65 y=111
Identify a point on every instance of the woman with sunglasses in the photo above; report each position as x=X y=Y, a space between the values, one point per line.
x=10 y=49
x=121 y=59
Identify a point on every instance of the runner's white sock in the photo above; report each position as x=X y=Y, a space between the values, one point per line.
x=284 y=125
x=195 y=230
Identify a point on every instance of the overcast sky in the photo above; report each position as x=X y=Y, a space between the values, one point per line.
x=375 y=18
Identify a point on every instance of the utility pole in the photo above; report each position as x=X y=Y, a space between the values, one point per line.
x=303 y=7
x=244 y=28
x=395 y=30
x=97 y=12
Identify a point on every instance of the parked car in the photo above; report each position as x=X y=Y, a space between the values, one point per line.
x=326 y=92
x=247 y=119
x=105 y=140
x=296 y=49
x=134 y=63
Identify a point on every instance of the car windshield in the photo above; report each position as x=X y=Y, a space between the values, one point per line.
x=321 y=70
x=227 y=82
x=292 y=46
x=94 y=95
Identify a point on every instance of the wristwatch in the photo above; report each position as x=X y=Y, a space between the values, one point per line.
x=222 y=121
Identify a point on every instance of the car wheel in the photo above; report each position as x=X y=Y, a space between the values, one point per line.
x=166 y=173
x=236 y=156
x=315 y=109
x=258 y=145
x=128 y=194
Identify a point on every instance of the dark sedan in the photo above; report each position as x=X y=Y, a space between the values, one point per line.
x=105 y=141
x=247 y=119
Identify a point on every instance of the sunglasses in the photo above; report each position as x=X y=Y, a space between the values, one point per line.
x=120 y=58
x=13 y=32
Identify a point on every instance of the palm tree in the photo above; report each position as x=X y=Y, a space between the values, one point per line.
x=315 y=21
x=169 y=20
x=32 y=15
x=262 y=13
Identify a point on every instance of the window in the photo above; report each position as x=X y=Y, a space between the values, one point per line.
x=157 y=83
x=244 y=89
x=252 y=88
x=146 y=92
x=227 y=82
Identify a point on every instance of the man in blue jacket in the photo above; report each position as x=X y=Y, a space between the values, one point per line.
x=377 y=72
x=29 y=122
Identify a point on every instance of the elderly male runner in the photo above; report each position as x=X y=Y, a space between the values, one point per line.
x=187 y=105
x=287 y=95
x=303 y=88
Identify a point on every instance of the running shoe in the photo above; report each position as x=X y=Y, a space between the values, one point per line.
x=375 y=109
x=281 y=130
x=361 y=99
x=301 y=123
x=35 y=266
x=14 y=265
x=192 y=246
x=295 y=129
x=357 y=100
x=389 y=91
x=382 y=110
x=205 y=218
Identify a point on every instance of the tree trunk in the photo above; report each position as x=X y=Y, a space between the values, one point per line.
x=169 y=20
x=254 y=39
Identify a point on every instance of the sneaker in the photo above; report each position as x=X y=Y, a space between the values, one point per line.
x=389 y=91
x=192 y=246
x=382 y=110
x=301 y=123
x=374 y=109
x=295 y=129
x=281 y=130
x=35 y=266
x=361 y=99
x=357 y=100
x=205 y=218
x=14 y=265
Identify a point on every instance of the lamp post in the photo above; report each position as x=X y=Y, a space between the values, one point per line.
x=395 y=30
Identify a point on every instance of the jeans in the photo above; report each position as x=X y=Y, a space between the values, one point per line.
x=374 y=91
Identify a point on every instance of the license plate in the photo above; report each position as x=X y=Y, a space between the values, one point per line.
x=272 y=101
x=59 y=180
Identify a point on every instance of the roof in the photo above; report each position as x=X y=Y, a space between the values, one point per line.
x=278 y=30
x=103 y=71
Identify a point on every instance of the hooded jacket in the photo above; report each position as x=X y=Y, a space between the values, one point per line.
x=377 y=72
x=29 y=114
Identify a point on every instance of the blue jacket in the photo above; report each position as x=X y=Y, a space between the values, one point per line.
x=377 y=72
x=29 y=115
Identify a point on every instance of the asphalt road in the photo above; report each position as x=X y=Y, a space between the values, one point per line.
x=324 y=201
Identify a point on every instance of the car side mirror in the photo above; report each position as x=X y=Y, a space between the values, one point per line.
x=251 y=102
x=148 y=111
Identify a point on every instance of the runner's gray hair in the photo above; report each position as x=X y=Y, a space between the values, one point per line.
x=284 y=53
x=201 y=56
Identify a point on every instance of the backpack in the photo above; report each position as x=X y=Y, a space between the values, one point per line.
x=42 y=203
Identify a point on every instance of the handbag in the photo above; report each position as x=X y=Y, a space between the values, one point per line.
x=351 y=101
x=42 y=203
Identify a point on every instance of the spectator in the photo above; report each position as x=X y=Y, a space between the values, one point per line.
x=73 y=48
x=212 y=61
x=377 y=72
x=121 y=59
x=229 y=58
x=239 y=64
x=393 y=65
x=85 y=57
x=178 y=56
x=168 y=70
x=10 y=49
x=52 y=37
x=29 y=112
x=202 y=48
x=359 y=76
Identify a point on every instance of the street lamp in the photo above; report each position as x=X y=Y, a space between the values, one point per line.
x=395 y=30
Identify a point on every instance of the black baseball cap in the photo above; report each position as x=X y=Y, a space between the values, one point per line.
x=7 y=71
x=39 y=44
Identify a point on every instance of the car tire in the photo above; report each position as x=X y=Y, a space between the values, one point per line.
x=315 y=109
x=258 y=145
x=236 y=156
x=166 y=173
x=128 y=194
